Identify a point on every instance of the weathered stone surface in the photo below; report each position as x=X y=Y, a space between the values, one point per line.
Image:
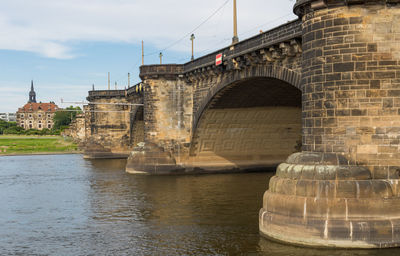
x=335 y=210
x=343 y=191
x=77 y=129
x=246 y=137
x=150 y=159
x=111 y=128
x=360 y=107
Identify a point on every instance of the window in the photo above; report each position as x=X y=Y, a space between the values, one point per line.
x=40 y=122
x=22 y=125
x=22 y=115
x=30 y=126
x=48 y=115
x=40 y=116
x=30 y=115
x=40 y=126
x=49 y=126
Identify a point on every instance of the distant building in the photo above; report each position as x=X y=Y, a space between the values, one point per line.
x=35 y=115
x=8 y=117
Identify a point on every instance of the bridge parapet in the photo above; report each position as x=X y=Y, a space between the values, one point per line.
x=168 y=71
x=284 y=33
x=108 y=94
x=136 y=89
x=105 y=94
x=275 y=44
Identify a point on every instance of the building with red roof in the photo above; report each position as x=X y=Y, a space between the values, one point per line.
x=35 y=115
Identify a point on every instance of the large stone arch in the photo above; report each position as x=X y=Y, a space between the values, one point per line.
x=251 y=119
x=272 y=71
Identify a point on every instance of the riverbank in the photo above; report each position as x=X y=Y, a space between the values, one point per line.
x=11 y=145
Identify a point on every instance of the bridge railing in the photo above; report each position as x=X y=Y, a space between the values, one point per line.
x=276 y=35
x=137 y=88
x=156 y=70
x=107 y=93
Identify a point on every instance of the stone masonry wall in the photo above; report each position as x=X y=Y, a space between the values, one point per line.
x=77 y=129
x=168 y=114
x=351 y=78
x=109 y=125
x=260 y=136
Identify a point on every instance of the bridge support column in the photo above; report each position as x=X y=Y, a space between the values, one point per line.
x=167 y=118
x=343 y=189
x=107 y=126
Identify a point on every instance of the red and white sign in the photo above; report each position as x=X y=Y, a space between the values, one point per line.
x=218 y=59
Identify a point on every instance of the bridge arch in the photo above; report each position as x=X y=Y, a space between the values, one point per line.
x=278 y=72
x=252 y=118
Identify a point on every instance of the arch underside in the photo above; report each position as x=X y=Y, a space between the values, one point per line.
x=250 y=123
x=137 y=127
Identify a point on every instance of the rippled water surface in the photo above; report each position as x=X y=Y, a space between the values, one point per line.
x=65 y=205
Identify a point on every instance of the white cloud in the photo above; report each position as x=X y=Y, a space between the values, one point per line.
x=50 y=27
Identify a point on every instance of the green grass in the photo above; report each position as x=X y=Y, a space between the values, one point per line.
x=14 y=144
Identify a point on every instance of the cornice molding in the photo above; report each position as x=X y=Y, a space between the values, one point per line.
x=302 y=6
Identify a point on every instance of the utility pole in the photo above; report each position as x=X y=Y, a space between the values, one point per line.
x=161 y=55
x=115 y=85
x=235 y=38
x=142 y=53
x=108 y=80
x=129 y=80
x=192 y=39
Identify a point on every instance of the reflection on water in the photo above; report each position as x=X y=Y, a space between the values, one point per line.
x=64 y=205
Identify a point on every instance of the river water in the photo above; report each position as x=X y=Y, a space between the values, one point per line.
x=65 y=205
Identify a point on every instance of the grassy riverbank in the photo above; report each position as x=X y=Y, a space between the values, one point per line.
x=21 y=145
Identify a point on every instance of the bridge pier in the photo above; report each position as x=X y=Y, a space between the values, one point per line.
x=343 y=189
x=167 y=118
x=111 y=127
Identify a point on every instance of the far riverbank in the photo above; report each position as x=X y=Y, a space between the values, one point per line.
x=12 y=145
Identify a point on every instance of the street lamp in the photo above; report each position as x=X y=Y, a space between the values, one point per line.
x=161 y=55
x=235 y=38
x=192 y=39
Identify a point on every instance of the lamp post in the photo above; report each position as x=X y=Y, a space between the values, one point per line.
x=161 y=55
x=192 y=39
x=142 y=53
x=235 y=38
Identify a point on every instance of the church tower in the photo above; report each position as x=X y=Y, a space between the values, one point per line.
x=32 y=94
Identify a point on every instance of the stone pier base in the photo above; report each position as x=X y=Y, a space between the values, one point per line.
x=150 y=159
x=96 y=151
x=105 y=155
x=323 y=200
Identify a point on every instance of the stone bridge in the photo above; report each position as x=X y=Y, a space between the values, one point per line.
x=320 y=95
x=242 y=114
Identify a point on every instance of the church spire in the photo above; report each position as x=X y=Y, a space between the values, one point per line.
x=32 y=94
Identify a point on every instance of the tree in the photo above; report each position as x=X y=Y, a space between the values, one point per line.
x=64 y=117
x=9 y=128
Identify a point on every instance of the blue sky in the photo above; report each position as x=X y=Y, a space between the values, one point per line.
x=65 y=46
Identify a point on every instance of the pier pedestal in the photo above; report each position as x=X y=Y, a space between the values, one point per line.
x=324 y=200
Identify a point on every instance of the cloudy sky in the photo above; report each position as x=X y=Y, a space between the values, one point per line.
x=65 y=46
